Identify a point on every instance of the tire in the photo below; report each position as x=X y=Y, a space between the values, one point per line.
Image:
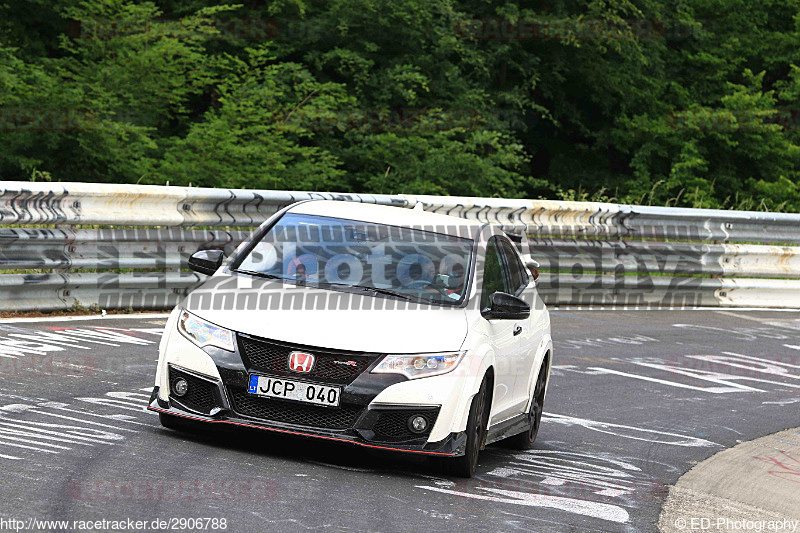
x=525 y=440
x=174 y=422
x=465 y=465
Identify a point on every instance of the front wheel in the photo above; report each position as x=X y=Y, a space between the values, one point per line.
x=465 y=465
x=524 y=441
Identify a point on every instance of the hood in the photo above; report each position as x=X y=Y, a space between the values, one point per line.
x=327 y=319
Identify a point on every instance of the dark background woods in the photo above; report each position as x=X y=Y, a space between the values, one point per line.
x=691 y=103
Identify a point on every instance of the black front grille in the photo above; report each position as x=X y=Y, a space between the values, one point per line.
x=296 y=413
x=392 y=425
x=201 y=396
x=272 y=357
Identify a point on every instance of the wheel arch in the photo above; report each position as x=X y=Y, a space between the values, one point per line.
x=547 y=358
x=489 y=375
x=546 y=349
x=471 y=388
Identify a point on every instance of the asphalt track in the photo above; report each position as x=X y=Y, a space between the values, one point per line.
x=637 y=398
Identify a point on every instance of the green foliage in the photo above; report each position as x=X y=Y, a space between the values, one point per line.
x=259 y=135
x=693 y=103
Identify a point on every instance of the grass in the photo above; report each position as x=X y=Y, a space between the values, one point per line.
x=77 y=309
x=693 y=199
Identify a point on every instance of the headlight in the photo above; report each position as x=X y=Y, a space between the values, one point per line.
x=420 y=365
x=203 y=333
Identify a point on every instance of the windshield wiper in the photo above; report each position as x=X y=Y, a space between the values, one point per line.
x=259 y=274
x=375 y=290
x=387 y=291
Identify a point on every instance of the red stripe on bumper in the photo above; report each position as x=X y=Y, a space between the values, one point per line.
x=150 y=408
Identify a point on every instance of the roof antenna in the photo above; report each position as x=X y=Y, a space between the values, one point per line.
x=419 y=207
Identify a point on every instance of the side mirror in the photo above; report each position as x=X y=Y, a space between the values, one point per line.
x=505 y=306
x=206 y=261
x=533 y=266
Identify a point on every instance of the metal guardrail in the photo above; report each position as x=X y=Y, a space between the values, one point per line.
x=602 y=220
x=151 y=205
x=590 y=253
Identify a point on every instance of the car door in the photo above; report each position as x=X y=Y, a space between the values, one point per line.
x=500 y=332
x=532 y=329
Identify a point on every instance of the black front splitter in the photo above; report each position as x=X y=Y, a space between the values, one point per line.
x=452 y=446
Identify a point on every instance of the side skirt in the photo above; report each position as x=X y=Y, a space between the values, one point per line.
x=508 y=428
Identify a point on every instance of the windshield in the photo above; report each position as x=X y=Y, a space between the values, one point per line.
x=406 y=263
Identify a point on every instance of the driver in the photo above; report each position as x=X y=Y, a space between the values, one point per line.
x=454 y=280
x=451 y=283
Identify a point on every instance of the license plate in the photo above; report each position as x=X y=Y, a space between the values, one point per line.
x=289 y=389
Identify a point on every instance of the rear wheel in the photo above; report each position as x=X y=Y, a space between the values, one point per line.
x=524 y=441
x=465 y=465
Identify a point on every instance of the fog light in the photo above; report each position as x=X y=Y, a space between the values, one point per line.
x=417 y=424
x=181 y=387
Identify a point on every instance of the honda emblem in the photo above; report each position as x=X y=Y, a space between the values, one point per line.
x=301 y=362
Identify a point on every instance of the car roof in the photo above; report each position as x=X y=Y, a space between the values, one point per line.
x=390 y=215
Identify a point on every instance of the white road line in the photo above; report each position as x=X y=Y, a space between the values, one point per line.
x=715 y=390
x=627 y=432
x=152 y=331
x=119 y=404
x=782 y=402
x=51 y=339
x=3 y=456
x=6 y=431
x=3 y=438
x=720 y=378
x=792 y=346
x=604 y=511
x=138 y=316
x=761 y=320
x=106 y=334
x=762 y=360
x=130 y=396
x=96 y=434
x=128 y=419
x=105 y=426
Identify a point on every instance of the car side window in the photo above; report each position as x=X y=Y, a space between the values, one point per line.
x=519 y=279
x=494 y=277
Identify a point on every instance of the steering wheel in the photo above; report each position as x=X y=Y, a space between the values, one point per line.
x=418 y=284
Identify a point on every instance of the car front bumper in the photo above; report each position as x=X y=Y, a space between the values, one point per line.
x=374 y=409
x=360 y=434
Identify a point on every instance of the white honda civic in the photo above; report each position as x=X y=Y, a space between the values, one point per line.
x=378 y=326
